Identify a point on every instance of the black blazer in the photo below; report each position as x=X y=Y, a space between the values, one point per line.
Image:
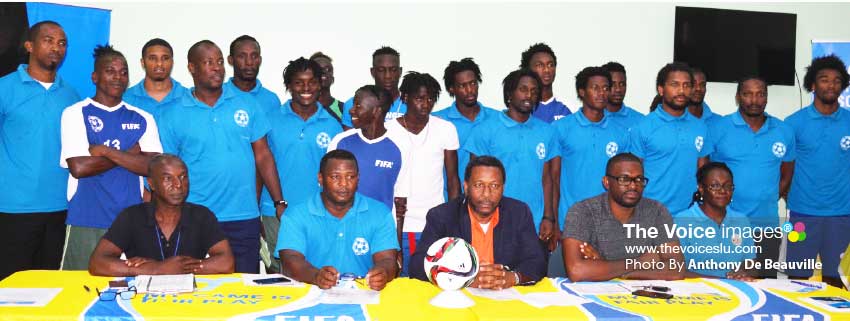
x=515 y=242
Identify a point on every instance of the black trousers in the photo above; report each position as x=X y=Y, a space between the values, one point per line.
x=31 y=241
x=769 y=250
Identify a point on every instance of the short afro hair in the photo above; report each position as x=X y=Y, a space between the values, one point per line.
x=241 y=39
x=525 y=62
x=455 y=67
x=613 y=66
x=157 y=42
x=825 y=62
x=584 y=75
x=385 y=50
x=300 y=65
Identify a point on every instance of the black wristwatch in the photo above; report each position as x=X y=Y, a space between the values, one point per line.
x=281 y=202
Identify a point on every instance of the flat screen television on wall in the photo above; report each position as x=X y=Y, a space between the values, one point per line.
x=730 y=44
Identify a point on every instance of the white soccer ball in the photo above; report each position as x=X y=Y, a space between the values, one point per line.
x=451 y=263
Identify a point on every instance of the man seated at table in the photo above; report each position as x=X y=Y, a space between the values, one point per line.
x=599 y=232
x=338 y=231
x=165 y=236
x=499 y=228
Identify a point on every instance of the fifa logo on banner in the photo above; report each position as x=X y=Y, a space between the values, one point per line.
x=796 y=232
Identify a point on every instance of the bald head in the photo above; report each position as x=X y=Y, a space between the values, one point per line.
x=194 y=51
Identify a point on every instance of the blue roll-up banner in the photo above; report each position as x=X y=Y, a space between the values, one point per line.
x=85 y=29
x=840 y=49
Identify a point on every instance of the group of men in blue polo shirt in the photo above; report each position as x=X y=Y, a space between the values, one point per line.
x=241 y=144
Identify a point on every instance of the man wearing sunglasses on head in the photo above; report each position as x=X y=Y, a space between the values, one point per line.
x=620 y=234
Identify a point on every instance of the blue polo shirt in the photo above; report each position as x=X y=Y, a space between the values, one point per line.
x=215 y=143
x=626 y=117
x=670 y=147
x=523 y=149
x=464 y=127
x=397 y=110
x=30 y=143
x=731 y=247
x=138 y=96
x=552 y=110
x=585 y=149
x=298 y=147
x=708 y=116
x=755 y=159
x=822 y=170
x=380 y=162
x=268 y=100
x=346 y=243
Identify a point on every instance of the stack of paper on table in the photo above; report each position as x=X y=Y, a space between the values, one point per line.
x=177 y=283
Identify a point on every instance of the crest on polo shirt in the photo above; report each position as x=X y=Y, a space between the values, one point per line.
x=778 y=149
x=611 y=149
x=323 y=140
x=845 y=143
x=360 y=246
x=541 y=150
x=698 y=143
x=241 y=118
x=96 y=124
x=737 y=239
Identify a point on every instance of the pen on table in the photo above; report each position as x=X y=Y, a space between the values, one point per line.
x=808 y=285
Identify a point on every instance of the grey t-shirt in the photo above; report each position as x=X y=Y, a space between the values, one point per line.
x=591 y=221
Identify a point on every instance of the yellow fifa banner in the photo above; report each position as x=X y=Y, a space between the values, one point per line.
x=224 y=297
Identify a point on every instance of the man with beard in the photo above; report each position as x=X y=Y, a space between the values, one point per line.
x=671 y=141
x=431 y=146
x=221 y=135
x=157 y=88
x=617 y=109
x=338 y=231
x=599 y=229
x=498 y=228
x=190 y=240
x=246 y=60
x=462 y=79
x=697 y=106
x=527 y=146
x=760 y=150
x=332 y=105
x=386 y=70
x=299 y=139
x=540 y=59
x=34 y=204
x=106 y=146
x=820 y=195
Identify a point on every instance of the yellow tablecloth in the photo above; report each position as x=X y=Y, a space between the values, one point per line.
x=224 y=297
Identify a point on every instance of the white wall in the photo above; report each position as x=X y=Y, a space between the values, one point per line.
x=429 y=35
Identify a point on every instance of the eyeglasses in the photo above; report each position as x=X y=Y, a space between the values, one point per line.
x=626 y=180
x=111 y=295
x=718 y=187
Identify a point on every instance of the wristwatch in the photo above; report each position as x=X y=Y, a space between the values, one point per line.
x=516 y=274
x=281 y=202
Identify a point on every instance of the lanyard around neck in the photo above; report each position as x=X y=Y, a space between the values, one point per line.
x=159 y=242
